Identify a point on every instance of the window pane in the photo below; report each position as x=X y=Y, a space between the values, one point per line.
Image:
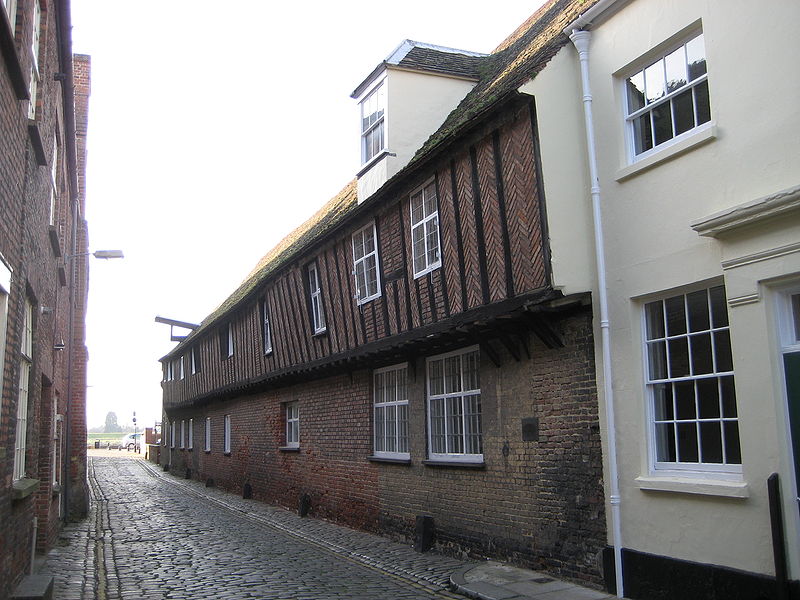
x=697 y=303
x=455 y=430
x=662 y=402
x=728 y=392
x=432 y=241
x=361 y=280
x=684 y=400
x=642 y=134
x=391 y=386
x=687 y=442
x=662 y=123
x=678 y=357
x=665 y=442
x=452 y=374
x=635 y=88
x=358 y=245
x=416 y=208
x=676 y=69
x=657 y=358
x=722 y=348
x=696 y=57
x=473 y=424
x=733 y=453
x=702 y=102
x=380 y=429
x=418 y=241
x=402 y=390
x=711 y=442
x=719 y=308
x=708 y=398
x=371 y=276
x=676 y=315
x=391 y=428
x=654 y=79
x=654 y=316
x=470 y=364
x=430 y=199
x=436 y=377
x=402 y=428
x=701 y=354
x=437 y=425
x=378 y=385
x=683 y=112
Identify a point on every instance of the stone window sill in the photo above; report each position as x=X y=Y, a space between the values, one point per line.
x=689 y=485
x=389 y=460
x=289 y=448
x=22 y=488
x=454 y=464
x=702 y=136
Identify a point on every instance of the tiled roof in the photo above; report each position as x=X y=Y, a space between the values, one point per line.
x=515 y=61
x=424 y=58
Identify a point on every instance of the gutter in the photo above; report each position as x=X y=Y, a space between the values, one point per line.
x=581 y=38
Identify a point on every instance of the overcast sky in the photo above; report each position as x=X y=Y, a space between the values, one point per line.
x=215 y=128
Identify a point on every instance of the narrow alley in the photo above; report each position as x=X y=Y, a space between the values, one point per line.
x=150 y=535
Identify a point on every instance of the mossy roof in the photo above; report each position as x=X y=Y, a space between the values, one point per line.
x=515 y=61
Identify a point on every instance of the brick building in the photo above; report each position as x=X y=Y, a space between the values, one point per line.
x=409 y=351
x=44 y=92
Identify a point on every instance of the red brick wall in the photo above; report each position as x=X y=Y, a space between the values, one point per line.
x=536 y=503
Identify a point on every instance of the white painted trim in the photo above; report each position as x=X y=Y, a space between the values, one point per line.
x=689 y=485
x=765 y=255
x=703 y=134
x=755 y=211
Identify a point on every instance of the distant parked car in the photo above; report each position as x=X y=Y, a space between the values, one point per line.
x=132 y=441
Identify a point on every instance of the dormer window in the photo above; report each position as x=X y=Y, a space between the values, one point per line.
x=373 y=109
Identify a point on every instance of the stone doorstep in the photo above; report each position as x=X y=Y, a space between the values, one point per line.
x=34 y=587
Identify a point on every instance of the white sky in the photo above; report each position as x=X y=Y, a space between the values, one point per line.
x=215 y=128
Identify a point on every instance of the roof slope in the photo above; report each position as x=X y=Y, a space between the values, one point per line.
x=516 y=60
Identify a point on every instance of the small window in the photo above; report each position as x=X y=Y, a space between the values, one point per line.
x=266 y=332
x=425 y=230
x=26 y=361
x=226 y=341
x=54 y=180
x=207 y=441
x=191 y=434
x=183 y=433
x=292 y=424
x=694 y=423
x=454 y=407
x=373 y=109
x=390 y=393
x=226 y=435
x=365 y=264
x=181 y=368
x=667 y=98
x=36 y=75
x=172 y=435
x=194 y=359
x=315 y=295
x=11 y=11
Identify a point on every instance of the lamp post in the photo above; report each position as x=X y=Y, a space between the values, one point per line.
x=67 y=455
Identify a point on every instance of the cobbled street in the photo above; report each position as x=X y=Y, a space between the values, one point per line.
x=152 y=535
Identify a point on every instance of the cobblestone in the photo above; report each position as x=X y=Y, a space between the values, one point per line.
x=153 y=536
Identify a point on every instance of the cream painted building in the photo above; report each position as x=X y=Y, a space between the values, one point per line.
x=693 y=115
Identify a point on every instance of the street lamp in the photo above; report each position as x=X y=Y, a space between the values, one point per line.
x=102 y=254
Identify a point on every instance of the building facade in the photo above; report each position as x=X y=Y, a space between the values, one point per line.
x=43 y=114
x=406 y=356
x=696 y=181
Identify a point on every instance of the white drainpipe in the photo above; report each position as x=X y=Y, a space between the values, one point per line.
x=581 y=41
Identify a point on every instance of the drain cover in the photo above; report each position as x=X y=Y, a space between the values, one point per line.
x=543 y=580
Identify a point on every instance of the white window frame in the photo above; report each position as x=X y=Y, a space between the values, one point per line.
x=181 y=369
x=652 y=58
x=379 y=94
x=26 y=360
x=172 y=434
x=427 y=225
x=54 y=180
x=462 y=395
x=190 y=442
x=193 y=362
x=361 y=264
x=390 y=414
x=266 y=329
x=315 y=296
x=230 y=341
x=207 y=441
x=292 y=414
x=35 y=71
x=11 y=11
x=666 y=468
x=226 y=435
x=183 y=434
x=5 y=290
